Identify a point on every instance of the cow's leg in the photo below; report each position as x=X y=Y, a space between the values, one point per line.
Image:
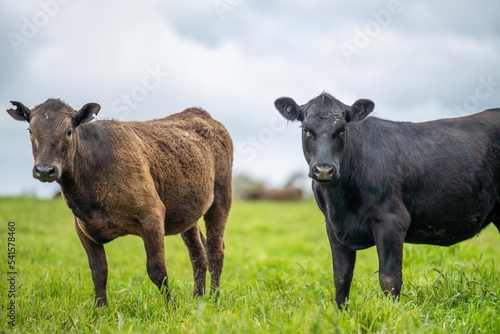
x=494 y=216
x=389 y=240
x=97 y=263
x=343 y=268
x=152 y=232
x=195 y=244
x=215 y=220
x=155 y=262
x=497 y=224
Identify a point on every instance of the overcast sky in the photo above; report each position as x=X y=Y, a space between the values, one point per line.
x=417 y=60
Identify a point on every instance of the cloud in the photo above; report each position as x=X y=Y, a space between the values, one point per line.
x=418 y=63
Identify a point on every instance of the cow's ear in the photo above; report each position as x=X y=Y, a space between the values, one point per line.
x=86 y=113
x=21 y=113
x=289 y=109
x=359 y=110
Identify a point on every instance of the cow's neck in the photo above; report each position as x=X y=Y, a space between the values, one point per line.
x=365 y=151
x=74 y=196
x=79 y=181
x=344 y=192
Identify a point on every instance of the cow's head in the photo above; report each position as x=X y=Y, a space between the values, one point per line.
x=52 y=126
x=325 y=128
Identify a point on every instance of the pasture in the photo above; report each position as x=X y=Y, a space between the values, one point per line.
x=277 y=278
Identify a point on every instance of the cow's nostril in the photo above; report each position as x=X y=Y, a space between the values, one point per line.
x=45 y=169
x=45 y=172
x=326 y=169
x=323 y=171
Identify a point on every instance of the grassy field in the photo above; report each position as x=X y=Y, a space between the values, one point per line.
x=277 y=279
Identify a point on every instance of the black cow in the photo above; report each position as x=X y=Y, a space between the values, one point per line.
x=384 y=183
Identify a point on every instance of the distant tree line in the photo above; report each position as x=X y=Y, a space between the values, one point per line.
x=247 y=188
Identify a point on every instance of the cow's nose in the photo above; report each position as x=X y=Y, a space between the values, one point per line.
x=323 y=171
x=45 y=173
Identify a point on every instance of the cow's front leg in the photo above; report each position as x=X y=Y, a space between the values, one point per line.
x=155 y=262
x=344 y=260
x=97 y=263
x=389 y=243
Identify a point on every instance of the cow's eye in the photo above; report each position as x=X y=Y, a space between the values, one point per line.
x=70 y=132
x=307 y=133
x=29 y=131
x=342 y=131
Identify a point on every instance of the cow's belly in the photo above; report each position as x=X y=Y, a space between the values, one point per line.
x=178 y=220
x=185 y=208
x=448 y=219
x=444 y=232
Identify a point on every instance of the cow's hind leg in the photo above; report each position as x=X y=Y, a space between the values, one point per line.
x=215 y=220
x=195 y=244
x=494 y=216
x=98 y=265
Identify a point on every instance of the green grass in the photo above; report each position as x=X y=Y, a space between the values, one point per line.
x=277 y=279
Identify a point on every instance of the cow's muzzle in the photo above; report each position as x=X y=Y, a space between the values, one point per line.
x=46 y=173
x=323 y=172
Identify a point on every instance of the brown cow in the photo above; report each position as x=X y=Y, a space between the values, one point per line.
x=149 y=179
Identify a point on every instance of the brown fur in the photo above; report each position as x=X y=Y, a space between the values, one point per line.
x=149 y=179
